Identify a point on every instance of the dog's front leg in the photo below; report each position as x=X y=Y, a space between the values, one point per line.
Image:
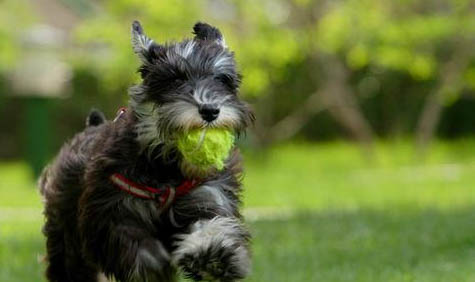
x=215 y=245
x=130 y=253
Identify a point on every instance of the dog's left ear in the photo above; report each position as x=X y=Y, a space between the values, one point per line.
x=142 y=45
x=206 y=32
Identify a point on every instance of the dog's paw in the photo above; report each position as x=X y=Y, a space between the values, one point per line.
x=152 y=262
x=217 y=263
x=215 y=250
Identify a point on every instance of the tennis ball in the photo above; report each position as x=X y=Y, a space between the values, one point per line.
x=206 y=148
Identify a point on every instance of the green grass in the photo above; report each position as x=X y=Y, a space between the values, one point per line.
x=21 y=250
x=336 y=176
x=367 y=245
x=392 y=219
x=17 y=187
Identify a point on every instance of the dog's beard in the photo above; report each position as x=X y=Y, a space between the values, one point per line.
x=160 y=125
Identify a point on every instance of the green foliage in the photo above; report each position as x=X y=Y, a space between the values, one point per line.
x=394 y=54
x=404 y=36
x=263 y=48
x=107 y=36
x=10 y=25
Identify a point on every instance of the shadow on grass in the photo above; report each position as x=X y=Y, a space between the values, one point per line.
x=366 y=245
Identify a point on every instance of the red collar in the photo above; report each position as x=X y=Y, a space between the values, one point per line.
x=164 y=196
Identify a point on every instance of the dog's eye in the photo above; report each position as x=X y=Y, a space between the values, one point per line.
x=225 y=79
x=178 y=79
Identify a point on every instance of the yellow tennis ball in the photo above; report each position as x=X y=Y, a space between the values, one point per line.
x=206 y=148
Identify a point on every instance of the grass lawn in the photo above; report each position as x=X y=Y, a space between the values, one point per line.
x=318 y=213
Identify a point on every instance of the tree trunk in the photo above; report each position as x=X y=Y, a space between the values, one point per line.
x=450 y=81
x=338 y=98
x=293 y=123
x=343 y=105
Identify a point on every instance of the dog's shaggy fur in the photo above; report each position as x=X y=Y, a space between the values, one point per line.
x=93 y=227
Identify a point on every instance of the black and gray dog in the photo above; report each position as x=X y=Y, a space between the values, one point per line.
x=119 y=198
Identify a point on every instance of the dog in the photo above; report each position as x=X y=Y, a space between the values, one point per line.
x=121 y=201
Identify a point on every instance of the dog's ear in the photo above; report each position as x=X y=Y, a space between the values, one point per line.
x=206 y=32
x=142 y=45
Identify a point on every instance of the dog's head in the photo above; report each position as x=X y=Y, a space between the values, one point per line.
x=186 y=85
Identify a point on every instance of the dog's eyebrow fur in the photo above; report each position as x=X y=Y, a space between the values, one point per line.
x=141 y=44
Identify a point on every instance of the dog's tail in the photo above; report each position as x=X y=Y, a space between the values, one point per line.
x=95 y=118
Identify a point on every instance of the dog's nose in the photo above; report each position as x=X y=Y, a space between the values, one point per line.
x=208 y=112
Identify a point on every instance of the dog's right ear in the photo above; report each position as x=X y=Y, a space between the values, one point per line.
x=142 y=45
x=206 y=32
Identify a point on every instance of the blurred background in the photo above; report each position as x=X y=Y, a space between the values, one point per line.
x=360 y=167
